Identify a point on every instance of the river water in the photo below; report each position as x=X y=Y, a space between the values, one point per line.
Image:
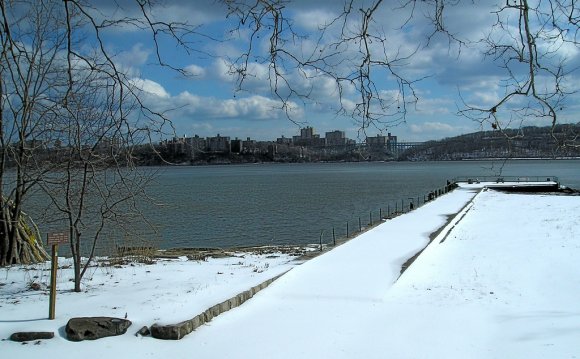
x=274 y=204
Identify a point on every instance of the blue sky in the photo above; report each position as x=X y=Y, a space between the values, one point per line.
x=207 y=102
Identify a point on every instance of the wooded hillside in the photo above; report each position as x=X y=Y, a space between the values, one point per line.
x=526 y=142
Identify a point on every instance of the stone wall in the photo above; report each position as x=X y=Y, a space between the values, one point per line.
x=179 y=330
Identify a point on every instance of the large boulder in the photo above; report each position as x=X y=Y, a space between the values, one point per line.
x=31 y=336
x=91 y=328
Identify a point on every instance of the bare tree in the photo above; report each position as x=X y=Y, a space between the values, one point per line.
x=93 y=184
x=70 y=117
x=355 y=50
x=29 y=51
x=526 y=41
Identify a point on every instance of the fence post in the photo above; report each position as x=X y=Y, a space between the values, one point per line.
x=380 y=214
x=359 y=225
x=371 y=218
x=333 y=237
x=321 y=234
x=346 y=229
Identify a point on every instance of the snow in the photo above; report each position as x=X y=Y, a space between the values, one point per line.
x=499 y=280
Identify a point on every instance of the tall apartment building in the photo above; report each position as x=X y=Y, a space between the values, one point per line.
x=392 y=142
x=377 y=142
x=388 y=142
x=219 y=144
x=307 y=133
x=335 y=138
x=308 y=138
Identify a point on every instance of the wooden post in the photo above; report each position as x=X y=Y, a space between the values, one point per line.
x=321 y=234
x=359 y=225
x=53 y=269
x=380 y=214
x=53 y=240
x=371 y=218
x=333 y=237
x=347 y=229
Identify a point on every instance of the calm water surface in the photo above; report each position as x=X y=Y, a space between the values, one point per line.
x=242 y=205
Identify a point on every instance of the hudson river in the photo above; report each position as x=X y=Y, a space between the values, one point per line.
x=244 y=205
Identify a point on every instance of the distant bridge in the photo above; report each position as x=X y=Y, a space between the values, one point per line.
x=396 y=147
x=402 y=146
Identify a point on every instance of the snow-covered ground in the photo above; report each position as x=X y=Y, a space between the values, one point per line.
x=501 y=280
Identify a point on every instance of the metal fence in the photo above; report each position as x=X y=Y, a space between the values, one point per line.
x=392 y=209
x=502 y=179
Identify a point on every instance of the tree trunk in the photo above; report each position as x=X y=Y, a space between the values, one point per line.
x=20 y=242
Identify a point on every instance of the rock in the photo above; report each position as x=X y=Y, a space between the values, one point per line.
x=35 y=286
x=30 y=336
x=171 y=331
x=144 y=331
x=91 y=328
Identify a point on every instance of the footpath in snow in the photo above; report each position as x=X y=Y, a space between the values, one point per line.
x=500 y=280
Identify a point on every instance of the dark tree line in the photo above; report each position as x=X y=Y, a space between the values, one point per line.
x=525 y=142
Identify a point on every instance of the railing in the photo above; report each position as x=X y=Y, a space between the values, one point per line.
x=502 y=179
x=331 y=237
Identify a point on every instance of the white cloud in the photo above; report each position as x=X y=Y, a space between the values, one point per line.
x=221 y=70
x=430 y=127
x=313 y=20
x=150 y=87
x=195 y=71
x=183 y=11
x=246 y=108
x=136 y=56
x=434 y=106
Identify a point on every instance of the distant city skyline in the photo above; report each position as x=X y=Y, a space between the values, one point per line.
x=307 y=132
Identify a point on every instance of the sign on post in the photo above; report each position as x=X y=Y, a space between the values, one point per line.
x=57 y=238
x=53 y=240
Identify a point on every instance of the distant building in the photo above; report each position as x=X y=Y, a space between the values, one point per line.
x=379 y=142
x=272 y=151
x=177 y=145
x=376 y=142
x=307 y=133
x=335 y=138
x=219 y=144
x=284 y=141
x=308 y=138
x=108 y=143
x=250 y=146
x=237 y=145
x=392 y=143
x=196 y=144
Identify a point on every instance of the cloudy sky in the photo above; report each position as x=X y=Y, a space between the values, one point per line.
x=206 y=99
